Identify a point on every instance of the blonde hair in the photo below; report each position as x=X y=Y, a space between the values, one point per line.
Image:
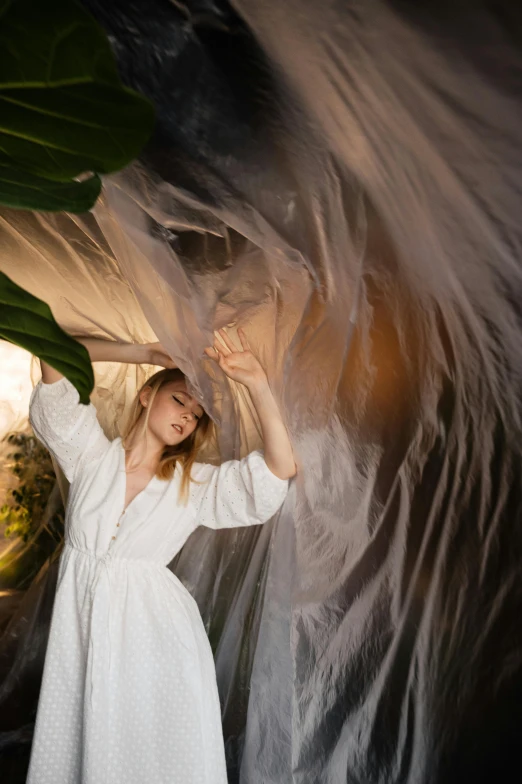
x=185 y=452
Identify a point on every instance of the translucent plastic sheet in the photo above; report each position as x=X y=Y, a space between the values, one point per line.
x=344 y=180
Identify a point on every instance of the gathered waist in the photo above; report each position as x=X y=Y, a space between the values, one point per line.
x=109 y=556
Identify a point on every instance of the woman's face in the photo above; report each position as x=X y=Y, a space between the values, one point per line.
x=174 y=414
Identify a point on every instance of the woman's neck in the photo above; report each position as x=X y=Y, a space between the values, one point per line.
x=143 y=455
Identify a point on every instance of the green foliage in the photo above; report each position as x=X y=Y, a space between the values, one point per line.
x=27 y=191
x=23 y=513
x=28 y=322
x=64 y=117
x=24 y=508
x=63 y=110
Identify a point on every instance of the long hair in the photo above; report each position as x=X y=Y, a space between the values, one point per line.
x=186 y=452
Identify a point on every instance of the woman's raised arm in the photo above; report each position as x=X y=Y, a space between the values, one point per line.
x=241 y=365
x=101 y=350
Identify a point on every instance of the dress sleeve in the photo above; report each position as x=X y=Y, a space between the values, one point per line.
x=69 y=429
x=237 y=493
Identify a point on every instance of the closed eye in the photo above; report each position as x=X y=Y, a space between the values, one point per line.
x=182 y=404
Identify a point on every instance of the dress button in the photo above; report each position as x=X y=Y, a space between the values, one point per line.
x=114 y=537
x=117 y=525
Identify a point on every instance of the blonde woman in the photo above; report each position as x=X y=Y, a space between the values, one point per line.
x=129 y=690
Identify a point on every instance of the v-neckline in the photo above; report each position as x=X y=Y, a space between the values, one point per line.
x=124 y=468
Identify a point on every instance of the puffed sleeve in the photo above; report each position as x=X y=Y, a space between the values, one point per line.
x=237 y=493
x=69 y=429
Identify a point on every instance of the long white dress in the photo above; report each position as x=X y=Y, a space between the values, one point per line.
x=129 y=693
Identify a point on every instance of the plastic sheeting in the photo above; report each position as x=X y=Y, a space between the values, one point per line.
x=343 y=179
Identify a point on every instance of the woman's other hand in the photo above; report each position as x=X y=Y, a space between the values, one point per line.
x=157 y=355
x=243 y=366
x=239 y=364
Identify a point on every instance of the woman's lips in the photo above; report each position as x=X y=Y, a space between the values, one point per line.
x=178 y=428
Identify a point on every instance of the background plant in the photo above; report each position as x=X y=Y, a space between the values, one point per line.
x=66 y=118
x=33 y=512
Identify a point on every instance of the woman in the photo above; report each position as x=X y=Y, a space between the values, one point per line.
x=129 y=688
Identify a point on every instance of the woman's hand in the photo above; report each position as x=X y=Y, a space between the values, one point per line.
x=243 y=366
x=239 y=364
x=157 y=355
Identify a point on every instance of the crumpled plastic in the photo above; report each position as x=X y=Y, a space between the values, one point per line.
x=342 y=180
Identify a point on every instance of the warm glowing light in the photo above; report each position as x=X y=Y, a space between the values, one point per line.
x=15 y=386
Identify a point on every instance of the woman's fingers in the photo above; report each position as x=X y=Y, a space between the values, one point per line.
x=226 y=340
x=216 y=352
x=213 y=352
x=158 y=355
x=229 y=343
x=218 y=345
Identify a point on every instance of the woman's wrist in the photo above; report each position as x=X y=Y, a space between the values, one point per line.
x=259 y=386
x=263 y=398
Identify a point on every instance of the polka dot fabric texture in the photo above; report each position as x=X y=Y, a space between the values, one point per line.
x=129 y=692
x=55 y=410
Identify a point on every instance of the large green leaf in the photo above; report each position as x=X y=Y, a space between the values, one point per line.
x=50 y=43
x=28 y=322
x=63 y=110
x=24 y=191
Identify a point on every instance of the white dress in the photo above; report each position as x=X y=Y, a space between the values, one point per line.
x=129 y=693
